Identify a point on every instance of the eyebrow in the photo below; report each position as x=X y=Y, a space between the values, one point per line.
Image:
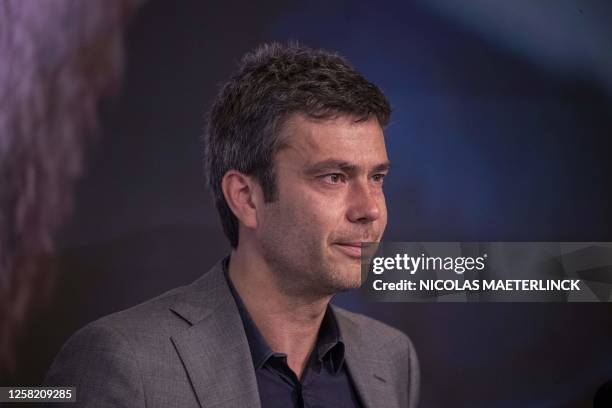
x=342 y=165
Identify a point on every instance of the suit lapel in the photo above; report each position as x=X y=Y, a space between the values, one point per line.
x=217 y=358
x=214 y=350
x=368 y=370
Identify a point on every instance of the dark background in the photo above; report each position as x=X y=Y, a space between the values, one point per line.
x=500 y=132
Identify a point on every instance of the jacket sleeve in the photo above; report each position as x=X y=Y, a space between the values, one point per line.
x=100 y=363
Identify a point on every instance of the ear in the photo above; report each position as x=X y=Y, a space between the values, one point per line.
x=241 y=194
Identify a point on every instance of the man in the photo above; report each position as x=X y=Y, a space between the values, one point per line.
x=295 y=159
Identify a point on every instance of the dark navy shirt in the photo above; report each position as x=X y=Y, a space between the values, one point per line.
x=325 y=382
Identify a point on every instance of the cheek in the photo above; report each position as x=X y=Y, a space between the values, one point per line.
x=327 y=208
x=315 y=216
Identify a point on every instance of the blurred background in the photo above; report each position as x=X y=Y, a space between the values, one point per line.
x=501 y=126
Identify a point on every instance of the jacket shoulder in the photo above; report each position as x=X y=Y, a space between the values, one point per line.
x=117 y=359
x=147 y=319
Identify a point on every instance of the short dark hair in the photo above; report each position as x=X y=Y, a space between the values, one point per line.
x=271 y=83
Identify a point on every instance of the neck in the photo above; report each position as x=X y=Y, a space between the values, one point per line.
x=289 y=324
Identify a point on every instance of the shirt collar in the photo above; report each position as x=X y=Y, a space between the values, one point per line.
x=329 y=347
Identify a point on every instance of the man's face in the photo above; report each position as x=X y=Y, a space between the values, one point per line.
x=330 y=199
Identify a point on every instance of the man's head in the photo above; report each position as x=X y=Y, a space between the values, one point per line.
x=295 y=160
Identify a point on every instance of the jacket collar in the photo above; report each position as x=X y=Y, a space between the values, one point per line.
x=214 y=350
x=366 y=363
x=217 y=357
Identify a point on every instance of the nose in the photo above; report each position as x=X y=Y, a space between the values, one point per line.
x=366 y=203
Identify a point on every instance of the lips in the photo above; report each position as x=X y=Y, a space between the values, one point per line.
x=352 y=249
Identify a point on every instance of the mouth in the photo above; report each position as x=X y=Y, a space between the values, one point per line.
x=352 y=249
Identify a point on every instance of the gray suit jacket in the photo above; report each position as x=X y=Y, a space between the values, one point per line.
x=187 y=348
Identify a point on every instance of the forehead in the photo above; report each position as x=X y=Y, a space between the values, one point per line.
x=306 y=140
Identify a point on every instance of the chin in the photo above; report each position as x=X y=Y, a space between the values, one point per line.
x=346 y=286
x=348 y=277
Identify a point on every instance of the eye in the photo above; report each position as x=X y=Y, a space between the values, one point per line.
x=378 y=178
x=334 y=178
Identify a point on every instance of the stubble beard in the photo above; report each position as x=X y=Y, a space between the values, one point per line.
x=305 y=271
